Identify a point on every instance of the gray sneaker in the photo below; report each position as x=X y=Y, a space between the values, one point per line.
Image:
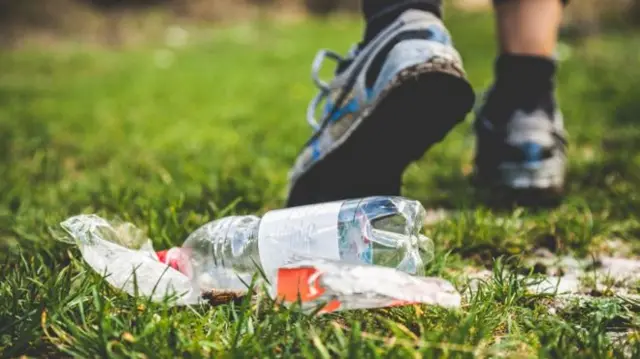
x=523 y=154
x=389 y=102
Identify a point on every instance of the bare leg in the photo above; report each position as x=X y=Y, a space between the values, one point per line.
x=528 y=27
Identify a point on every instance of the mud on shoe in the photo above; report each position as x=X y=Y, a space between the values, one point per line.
x=389 y=102
x=521 y=159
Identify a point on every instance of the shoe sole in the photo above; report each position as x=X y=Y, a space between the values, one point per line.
x=418 y=108
x=539 y=185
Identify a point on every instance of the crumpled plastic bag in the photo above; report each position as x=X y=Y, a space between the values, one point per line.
x=128 y=261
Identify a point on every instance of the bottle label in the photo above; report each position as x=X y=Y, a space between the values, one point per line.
x=307 y=231
x=354 y=245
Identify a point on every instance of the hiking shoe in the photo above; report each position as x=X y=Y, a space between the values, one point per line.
x=389 y=102
x=521 y=152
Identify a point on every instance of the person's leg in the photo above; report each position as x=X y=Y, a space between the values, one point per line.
x=394 y=96
x=521 y=144
x=528 y=27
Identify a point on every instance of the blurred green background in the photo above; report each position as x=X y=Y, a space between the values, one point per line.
x=114 y=21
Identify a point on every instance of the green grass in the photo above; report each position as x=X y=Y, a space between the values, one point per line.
x=86 y=130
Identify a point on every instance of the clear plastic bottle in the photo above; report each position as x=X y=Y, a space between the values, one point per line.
x=226 y=253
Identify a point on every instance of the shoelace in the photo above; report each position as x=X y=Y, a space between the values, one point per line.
x=323 y=86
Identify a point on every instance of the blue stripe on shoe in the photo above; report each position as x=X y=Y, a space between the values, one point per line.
x=436 y=33
x=532 y=151
x=315 y=146
x=351 y=107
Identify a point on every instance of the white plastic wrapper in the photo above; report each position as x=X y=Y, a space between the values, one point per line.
x=126 y=258
x=103 y=247
x=345 y=286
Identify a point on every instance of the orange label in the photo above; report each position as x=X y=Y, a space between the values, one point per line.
x=294 y=283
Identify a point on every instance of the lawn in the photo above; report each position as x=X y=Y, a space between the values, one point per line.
x=172 y=137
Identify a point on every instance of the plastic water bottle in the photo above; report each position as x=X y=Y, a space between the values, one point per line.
x=226 y=253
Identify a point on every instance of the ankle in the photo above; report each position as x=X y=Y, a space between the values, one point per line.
x=522 y=83
x=524 y=78
x=524 y=71
x=379 y=22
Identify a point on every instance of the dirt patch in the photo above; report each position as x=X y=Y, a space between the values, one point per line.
x=568 y=278
x=216 y=297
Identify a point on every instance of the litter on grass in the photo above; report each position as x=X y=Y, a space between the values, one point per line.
x=126 y=258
